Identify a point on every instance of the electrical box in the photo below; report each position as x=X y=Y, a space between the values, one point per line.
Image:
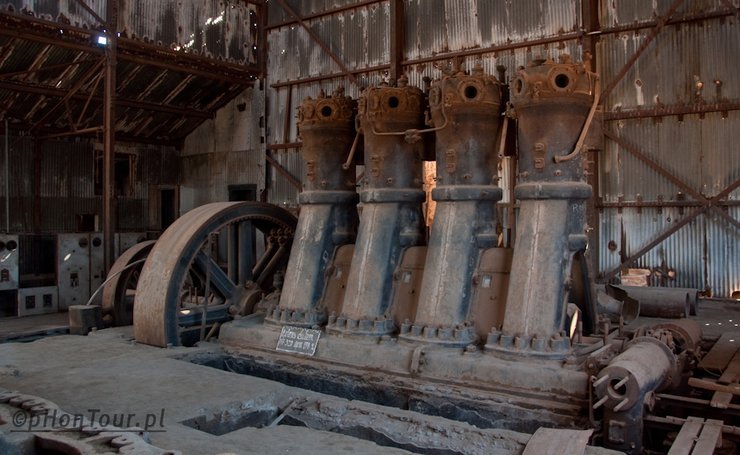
x=125 y=240
x=39 y=300
x=73 y=269
x=97 y=266
x=8 y=262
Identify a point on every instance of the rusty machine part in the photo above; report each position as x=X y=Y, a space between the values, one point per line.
x=659 y=302
x=445 y=329
x=328 y=207
x=515 y=382
x=391 y=195
x=647 y=365
x=184 y=289
x=465 y=109
x=120 y=288
x=551 y=103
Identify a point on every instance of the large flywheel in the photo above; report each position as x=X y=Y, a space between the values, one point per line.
x=208 y=265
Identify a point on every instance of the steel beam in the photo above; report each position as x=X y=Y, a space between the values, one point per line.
x=123 y=102
x=672 y=110
x=398 y=38
x=325 y=13
x=91 y=11
x=109 y=125
x=293 y=181
x=84 y=79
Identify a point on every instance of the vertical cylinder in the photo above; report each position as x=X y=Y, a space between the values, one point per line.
x=391 y=199
x=551 y=103
x=465 y=112
x=328 y=216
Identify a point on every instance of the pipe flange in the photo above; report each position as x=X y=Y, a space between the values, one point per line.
x=545 y=80
x=336 y=110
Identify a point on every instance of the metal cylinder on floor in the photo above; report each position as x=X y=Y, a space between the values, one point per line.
x=391 y=197
x=465 y=114
x=328 y=216
x=553 y=103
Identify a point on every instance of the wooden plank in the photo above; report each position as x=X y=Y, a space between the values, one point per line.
x=721 y=353
x=721 y=400
x=685 y=440
x=708 y=384
x=732 y=372
x=552 y=441
x=710 y=438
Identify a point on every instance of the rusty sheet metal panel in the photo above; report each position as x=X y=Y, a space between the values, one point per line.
x=435 y=26
x=359 y=37
x=224 y=29
x=682 y=65
x=62 y=10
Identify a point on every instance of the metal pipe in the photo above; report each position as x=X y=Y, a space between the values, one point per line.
x=7 y=178
x=102 y=285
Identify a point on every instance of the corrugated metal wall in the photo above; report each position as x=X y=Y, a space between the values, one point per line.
x=694 y=63
x=688 y=65
x=53 y=181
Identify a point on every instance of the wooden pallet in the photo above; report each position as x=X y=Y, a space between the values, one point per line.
x=697 y=437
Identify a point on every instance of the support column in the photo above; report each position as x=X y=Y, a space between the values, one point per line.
x=109 y=129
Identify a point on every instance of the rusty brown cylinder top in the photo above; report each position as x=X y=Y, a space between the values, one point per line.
x=393 y=159
x=551 y=102
x=327 y=129
x=465 y=108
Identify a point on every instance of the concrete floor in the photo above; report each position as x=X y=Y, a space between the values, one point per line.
x=107 y=371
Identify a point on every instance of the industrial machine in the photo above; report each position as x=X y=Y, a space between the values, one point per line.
x=454 y=324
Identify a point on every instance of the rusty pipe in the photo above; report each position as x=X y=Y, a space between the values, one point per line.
x=586 y=125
